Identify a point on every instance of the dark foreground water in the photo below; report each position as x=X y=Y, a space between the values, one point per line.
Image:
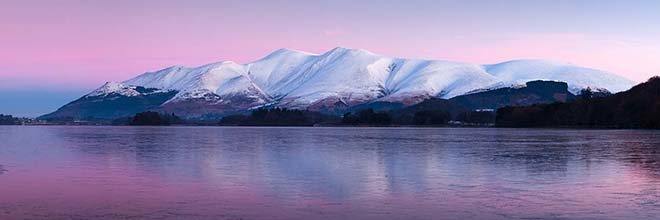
x=327 y=173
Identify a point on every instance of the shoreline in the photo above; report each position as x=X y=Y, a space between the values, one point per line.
x=337 y=126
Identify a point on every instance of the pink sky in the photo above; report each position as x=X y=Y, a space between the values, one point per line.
x=82 y=44
x=90 y=42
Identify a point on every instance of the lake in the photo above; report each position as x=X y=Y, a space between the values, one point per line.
x=80 y=172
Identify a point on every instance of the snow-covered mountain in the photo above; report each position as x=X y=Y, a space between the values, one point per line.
x=344 y=77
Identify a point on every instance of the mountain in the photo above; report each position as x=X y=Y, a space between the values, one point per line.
x=638 y=107
x=112 y=100
x=332 y=82
x=534 y=92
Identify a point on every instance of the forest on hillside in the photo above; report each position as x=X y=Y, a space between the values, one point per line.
x=638 y=107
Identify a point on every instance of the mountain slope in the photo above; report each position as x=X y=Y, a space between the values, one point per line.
x=112 y=100
x=535 y=92
x=578 y=78
x=342 y=78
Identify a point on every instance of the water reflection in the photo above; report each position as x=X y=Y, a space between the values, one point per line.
x=328 y=173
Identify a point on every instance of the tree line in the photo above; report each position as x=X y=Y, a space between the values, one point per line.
x=364 y=117
x=9 y=120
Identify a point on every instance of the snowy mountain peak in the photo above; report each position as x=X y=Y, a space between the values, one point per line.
x=285 y=51
x=338 y=51
x=122 y=89
x=114 y=87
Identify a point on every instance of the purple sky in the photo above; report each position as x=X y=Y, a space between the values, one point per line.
x=66 y=48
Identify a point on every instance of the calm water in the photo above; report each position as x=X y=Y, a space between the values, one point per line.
x=327 y=173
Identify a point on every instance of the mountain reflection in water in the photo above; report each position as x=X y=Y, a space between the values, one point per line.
x=327 y=173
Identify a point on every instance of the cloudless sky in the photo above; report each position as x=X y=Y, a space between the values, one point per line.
x=54 y=51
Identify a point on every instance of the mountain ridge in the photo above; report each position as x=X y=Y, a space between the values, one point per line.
x=296 y=79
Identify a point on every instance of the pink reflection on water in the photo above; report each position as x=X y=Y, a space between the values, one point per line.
x=78 y=175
